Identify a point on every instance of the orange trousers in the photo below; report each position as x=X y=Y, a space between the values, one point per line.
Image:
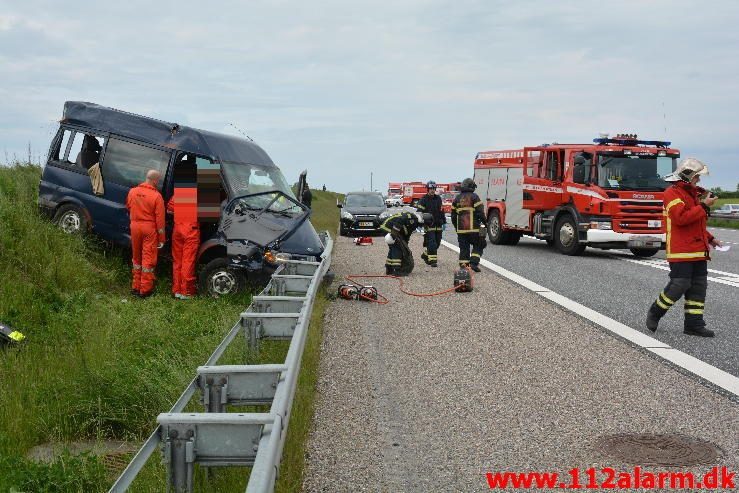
x=144 y=242
x=185 y=245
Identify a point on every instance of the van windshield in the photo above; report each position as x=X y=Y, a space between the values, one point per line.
x=249 y=179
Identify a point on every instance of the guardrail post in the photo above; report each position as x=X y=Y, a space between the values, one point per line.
x=178 y=454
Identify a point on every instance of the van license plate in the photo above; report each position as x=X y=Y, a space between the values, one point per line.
x=654 y=224
x=365 y=224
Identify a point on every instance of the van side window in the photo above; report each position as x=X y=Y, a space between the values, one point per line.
x=126 y=163
x=85 y=150
x=59 y=152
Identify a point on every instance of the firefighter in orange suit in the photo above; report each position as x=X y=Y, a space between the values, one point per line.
x=688 y=246
x=146 y=208
x=185 y=238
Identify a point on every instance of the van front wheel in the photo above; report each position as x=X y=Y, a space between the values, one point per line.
x=218 y=279
x=71 y=219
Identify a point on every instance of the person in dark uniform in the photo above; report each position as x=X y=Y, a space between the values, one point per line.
x=307 y=198
x=399 y=228
x=431 y=203
x=468 y=218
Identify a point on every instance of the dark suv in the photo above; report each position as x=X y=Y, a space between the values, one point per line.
x=250 y=219
x=362 y=213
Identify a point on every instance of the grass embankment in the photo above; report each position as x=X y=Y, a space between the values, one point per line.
x=724 y=223
x=97 y=364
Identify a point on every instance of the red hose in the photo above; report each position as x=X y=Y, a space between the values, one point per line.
x=410 y=293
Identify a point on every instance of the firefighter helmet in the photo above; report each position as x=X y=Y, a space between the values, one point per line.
x=688 y=169
x=468 y=185
x=431 y=185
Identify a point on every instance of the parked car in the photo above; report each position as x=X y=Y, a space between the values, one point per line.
x=732 y=209
x=362 y=214
x=250 y=219
x=394 y=201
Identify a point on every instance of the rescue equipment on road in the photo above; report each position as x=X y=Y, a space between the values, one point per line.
x=363 y=240
x=463 y=280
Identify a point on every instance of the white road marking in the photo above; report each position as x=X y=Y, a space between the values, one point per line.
x=695 y=366
x=727 y=278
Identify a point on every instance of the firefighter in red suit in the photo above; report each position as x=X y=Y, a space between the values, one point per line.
x=146 y=208
x=185 y=239
x=688 y=246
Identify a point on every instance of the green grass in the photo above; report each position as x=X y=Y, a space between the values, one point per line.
x=99 y=364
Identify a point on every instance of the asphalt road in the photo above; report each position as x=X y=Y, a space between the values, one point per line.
x=621 y=286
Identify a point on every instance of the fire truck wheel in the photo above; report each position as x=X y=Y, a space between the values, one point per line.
x=496 y=235
x=565 y=236
x=644 y=252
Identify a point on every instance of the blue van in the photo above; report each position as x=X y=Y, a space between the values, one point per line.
x=255 y=220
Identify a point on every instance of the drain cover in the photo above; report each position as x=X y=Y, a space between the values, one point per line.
x=659 y=450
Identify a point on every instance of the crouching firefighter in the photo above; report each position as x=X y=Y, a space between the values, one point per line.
x=431 y=204
x=468 y=218
x=399 y=228
x=688 y=244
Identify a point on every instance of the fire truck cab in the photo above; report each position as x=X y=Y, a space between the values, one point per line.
x=604 y=195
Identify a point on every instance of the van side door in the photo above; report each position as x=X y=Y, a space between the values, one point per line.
x=124 y=166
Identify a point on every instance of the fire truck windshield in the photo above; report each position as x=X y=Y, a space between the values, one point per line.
x=645 y=172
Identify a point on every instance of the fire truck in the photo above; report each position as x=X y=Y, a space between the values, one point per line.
x=394 y=188
x=603 y=195
x=413 y=191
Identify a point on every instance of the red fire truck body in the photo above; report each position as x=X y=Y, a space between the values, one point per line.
x=413 y=191
x=603 y=195
x=394 y=188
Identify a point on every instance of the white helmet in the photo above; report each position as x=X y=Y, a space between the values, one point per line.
x=688 y=168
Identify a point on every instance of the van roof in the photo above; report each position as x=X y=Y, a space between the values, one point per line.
x=211 y=144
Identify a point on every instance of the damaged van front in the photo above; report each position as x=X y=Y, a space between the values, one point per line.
x=262 y=224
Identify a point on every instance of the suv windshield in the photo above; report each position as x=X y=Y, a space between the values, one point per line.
x=634 y=172
x=248 y=179
x=364 y=200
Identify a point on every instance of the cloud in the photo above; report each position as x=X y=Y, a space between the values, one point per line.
x=409 y=90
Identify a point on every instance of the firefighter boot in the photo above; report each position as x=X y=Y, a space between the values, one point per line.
x=425 y=258
x=475 y=267
x=695 y=325
x=654 y=315
x=389 y=271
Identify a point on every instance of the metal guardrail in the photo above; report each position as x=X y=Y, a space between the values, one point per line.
x=217 y=438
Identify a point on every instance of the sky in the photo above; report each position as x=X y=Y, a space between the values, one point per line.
x=388 y=91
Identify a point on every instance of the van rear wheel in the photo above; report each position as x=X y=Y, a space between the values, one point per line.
x=71 y=219
x=217 y=278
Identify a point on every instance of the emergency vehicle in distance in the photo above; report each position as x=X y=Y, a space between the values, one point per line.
x=414 y=190
x=604 y=195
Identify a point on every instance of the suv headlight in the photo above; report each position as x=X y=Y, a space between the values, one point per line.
x=346 y=215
